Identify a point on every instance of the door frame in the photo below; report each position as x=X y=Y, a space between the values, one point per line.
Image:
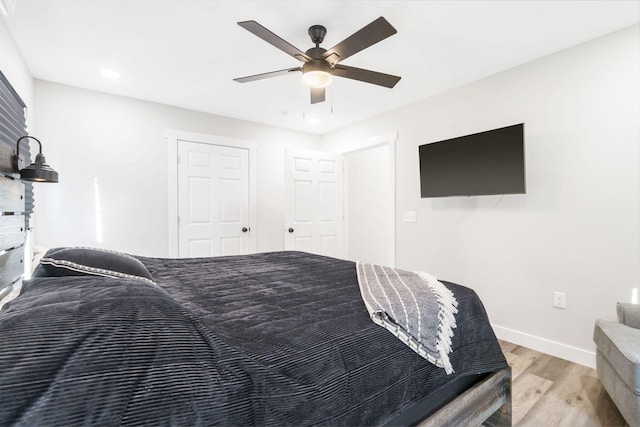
x=388 y=139
x=173 y=136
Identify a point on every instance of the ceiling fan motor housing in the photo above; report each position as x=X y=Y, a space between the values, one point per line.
x=316 y=52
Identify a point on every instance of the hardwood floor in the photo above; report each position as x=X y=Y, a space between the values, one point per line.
x=548 y=391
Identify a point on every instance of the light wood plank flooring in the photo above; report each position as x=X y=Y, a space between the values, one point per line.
x=548 y=391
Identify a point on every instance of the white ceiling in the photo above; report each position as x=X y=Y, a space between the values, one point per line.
x=185 y=53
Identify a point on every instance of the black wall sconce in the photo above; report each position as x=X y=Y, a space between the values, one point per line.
x=38 y=171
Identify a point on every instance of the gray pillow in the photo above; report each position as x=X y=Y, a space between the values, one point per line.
x=81 y=261
x=629 y=314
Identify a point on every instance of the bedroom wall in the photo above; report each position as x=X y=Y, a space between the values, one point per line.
x=119 y=143
x=13 y=67
x=577 y=230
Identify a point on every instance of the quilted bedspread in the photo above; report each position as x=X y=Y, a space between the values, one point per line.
x=277 y=339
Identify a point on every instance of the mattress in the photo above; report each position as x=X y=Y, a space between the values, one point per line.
x=279 y=338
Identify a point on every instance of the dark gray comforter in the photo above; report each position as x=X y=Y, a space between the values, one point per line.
x=267 y=339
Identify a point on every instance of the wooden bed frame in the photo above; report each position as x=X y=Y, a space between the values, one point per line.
x=13 y=225
x=488 y=402
x=12 y=233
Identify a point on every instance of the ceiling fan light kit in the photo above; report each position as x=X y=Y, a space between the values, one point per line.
x=320 y=65
x=316 y=74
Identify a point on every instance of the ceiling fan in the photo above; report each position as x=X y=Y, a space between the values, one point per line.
x=321 y=64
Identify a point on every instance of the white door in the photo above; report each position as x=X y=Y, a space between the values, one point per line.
x=213 y=200
x=314 y=211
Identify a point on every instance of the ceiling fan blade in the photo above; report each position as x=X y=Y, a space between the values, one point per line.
x=317 y=95
x=269 y=37
x=367 y=36
x=266 y=75
x=367 y=76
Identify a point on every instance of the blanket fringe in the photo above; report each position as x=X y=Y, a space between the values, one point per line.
x=446 y=315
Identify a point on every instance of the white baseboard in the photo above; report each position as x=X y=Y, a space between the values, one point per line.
x=557 y=349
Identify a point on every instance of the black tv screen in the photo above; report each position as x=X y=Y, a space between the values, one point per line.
x=484 y=163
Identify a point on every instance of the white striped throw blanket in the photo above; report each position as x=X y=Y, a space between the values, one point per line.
x=415 y=307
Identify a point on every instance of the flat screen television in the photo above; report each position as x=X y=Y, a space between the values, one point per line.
x=484 y=163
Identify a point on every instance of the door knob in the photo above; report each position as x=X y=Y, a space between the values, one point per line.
x=245 y=229
x=291 y=230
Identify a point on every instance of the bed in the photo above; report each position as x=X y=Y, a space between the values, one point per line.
x=278 y=338
x=274 y=339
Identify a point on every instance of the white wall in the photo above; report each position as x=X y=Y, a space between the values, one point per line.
x=15 y=70
x=119 y=142
x=577 y=228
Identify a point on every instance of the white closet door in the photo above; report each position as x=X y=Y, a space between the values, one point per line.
x=213 y=200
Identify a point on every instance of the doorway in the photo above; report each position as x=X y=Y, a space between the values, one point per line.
x=369 y=205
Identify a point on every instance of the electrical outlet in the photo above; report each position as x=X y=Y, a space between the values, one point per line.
x=560 y=299
x=409 y=216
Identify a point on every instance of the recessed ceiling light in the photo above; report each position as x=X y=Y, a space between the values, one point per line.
x=109 y=74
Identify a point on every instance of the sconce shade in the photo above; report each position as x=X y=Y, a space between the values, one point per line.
x=39 y=171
